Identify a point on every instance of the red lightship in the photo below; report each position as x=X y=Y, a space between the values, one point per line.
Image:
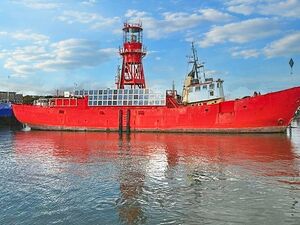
x=133 y=107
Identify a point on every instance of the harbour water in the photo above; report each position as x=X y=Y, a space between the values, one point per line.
x=102 y=178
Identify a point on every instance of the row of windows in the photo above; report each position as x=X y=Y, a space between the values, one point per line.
x=128 y=103
x=204 y=87
x=113 y=91
x=127 y=97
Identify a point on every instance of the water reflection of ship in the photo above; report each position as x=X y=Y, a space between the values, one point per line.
x=228 y=149
x=141 y=157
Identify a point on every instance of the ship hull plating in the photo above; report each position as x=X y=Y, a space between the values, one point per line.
x=269 y=113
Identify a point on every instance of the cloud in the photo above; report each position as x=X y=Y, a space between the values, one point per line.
x=96 y=21
x=240 y=32
x=26 y=35
x=89 y=2
x=38 y=4
x=287 y=8
x=75 y=53
x=286 y=46
x=245 y=53
x=174 y=22
x=70 y=54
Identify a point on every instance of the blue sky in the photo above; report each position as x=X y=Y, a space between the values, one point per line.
x=47 y=44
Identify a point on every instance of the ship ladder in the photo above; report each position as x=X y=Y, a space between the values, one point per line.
x=124 y=121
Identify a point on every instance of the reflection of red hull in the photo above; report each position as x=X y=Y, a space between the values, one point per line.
x=272 y=112
x=228 y=149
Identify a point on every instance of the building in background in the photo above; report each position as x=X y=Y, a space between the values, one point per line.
x=10 y=96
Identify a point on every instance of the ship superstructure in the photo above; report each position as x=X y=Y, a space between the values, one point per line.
x=199 y=89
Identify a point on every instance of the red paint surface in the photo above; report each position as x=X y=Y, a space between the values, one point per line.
x=271 y=112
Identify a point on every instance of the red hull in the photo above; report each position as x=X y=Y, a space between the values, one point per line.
x=272 y=112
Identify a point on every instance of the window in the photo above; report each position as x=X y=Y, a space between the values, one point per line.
x=211 y=93
x=100 y=92
x=211 y=86
x=190 y=89
x=204 y=86
x=115 y=92
x=90 y=92
x=197 y=88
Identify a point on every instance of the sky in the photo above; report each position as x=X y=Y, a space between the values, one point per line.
x=49 y=45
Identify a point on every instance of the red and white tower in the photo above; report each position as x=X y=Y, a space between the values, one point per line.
x=132 y=72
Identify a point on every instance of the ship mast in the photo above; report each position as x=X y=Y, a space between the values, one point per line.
x=196 y=65
x=132 y=72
